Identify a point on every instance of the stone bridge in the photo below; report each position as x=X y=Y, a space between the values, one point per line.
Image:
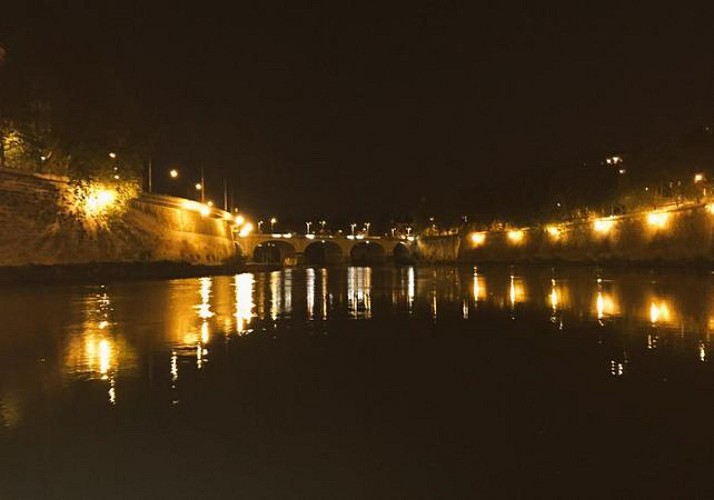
x=323 y=249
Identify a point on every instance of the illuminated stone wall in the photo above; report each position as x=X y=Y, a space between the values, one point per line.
x=683 y=234
x=439 y=248
x=37 y=226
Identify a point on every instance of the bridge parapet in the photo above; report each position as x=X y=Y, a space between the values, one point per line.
x=298 y=244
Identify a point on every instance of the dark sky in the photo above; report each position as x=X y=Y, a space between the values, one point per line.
x=342 y=109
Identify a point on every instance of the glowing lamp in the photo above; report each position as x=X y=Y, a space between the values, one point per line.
x=478 y=239
x=604 y=225
x=554 y=232
x=657 y=220
x=516 y=236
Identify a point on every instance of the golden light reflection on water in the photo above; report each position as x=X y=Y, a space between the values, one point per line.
x=275 y=302
x=479 y=287
x=359 y=292
x=516 y=291
x=606 y=304
x=660 y=311
x=310 y=292
x=95 y=350
x=243 y=284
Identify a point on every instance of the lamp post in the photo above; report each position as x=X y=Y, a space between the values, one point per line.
x=260 y=226
x=272 y=224
x=366 y=225
x=352 y=227
x=308 y=224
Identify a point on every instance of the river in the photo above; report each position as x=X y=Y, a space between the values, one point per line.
x=359 y=382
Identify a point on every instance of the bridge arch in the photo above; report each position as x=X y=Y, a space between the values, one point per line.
x=368 y=252
x=323 y=252
x=274 y=252
x=402 y=254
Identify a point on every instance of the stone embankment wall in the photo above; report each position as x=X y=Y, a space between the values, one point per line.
x=439 y=248
x=687 y=235
x=37 y=228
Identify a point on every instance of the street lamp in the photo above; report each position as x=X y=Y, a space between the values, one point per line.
x=260 y=226
x=173 y=173
x=366 y=225
x=272 y=224
x=308 y=224
x=353 y=226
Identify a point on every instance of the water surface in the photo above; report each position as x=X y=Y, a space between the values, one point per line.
x=358 y=382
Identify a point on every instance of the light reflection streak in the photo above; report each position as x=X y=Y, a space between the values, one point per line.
x=359 y=292
x=479 y=290
x=324 y=292
x=243 y=284
x=411 y=289
x=310 y=292
x=275 y=302
x=95 y=350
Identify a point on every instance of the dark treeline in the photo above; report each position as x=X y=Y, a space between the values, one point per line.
x=646 y=175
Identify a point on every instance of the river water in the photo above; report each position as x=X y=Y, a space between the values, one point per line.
x=358 y=382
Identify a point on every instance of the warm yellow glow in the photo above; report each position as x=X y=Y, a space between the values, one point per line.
x=273 y=220
x=659 y=312
x=204 y=308
x=698 y=177
x=710 y=208
x=604 y=225
x=113 y=156
x=516 y=291
x=173 y=173
x=554 y=298
x=244 y=301
x=246 y=229
x=478 y=239
x=105 y=355
x=204 y=210
x=658 y=220
x=198 y=186
x=554 y=232
x=209 y=203
x=605 y=305
x=99 y=200
x=239 y=219
x=479 y=287
x=516 y=236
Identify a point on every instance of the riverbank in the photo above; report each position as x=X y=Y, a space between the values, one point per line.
x=102 y=272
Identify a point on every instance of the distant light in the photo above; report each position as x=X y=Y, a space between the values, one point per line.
x=698 y=177
x=198 y=186
x=710 y=208
x=288 y=235
x=312 y=236
x=173 y=173
x=621 y=171
x=209 y=203
x=273 y=220
x=349 y=236
x=116 y=177
x=43 y=158
x=276 y=235
x=239 y=219
x=516 y=235
x=604 y=225
x=658 y=219
x=478 y=239
x=113 y=156
x=410 y=238
x=204 y=210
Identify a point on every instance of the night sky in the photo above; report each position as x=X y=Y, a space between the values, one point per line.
x=350 y=110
